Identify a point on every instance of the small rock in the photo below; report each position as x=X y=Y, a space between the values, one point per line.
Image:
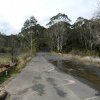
x=3 y=93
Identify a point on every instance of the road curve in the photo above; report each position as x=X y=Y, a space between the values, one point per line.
x=40 y=81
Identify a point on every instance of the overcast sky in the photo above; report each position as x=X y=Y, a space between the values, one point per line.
x=13 y=13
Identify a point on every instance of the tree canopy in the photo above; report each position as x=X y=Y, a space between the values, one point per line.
x=61 y=35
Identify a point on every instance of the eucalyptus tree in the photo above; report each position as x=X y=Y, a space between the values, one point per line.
x=32 y=34
x=58 y=25
x=81 y=36
x=27 y=33
x=95 y=31
x=95 y=27
x=2 y=40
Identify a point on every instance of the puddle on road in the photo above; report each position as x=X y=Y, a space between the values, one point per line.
x=88 y=74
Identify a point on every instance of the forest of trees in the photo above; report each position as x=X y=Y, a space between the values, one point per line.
x=60 y=36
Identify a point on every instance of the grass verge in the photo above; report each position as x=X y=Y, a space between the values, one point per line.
x=22 y=59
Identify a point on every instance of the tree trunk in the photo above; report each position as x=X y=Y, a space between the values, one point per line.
x=58 y=43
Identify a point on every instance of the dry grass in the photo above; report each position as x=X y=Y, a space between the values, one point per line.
x=22 y=59
x=4 y=59
x=87 y=60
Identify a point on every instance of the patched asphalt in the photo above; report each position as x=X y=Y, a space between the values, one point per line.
x=40 y=81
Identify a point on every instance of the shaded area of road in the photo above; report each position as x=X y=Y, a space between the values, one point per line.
x=40 y=81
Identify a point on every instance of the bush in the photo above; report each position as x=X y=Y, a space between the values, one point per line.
x=5 y=50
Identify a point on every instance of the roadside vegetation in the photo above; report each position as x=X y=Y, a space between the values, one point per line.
x=22 y=60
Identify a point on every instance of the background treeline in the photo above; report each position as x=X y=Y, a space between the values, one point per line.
x=82 y=37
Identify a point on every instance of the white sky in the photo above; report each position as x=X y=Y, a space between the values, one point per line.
x=13 y=13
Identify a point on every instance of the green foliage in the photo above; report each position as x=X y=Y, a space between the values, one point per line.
x=60 y=36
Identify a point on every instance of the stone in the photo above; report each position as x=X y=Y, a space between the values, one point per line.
x=3 y=93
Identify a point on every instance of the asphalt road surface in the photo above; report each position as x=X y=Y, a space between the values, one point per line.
x=40 y=81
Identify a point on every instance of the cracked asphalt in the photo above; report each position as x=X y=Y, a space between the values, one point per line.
x=40 y=81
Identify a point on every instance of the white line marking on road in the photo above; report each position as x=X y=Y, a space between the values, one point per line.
x=34 y=92
x=51 y=69
x=70 y=82
x=91 y=98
